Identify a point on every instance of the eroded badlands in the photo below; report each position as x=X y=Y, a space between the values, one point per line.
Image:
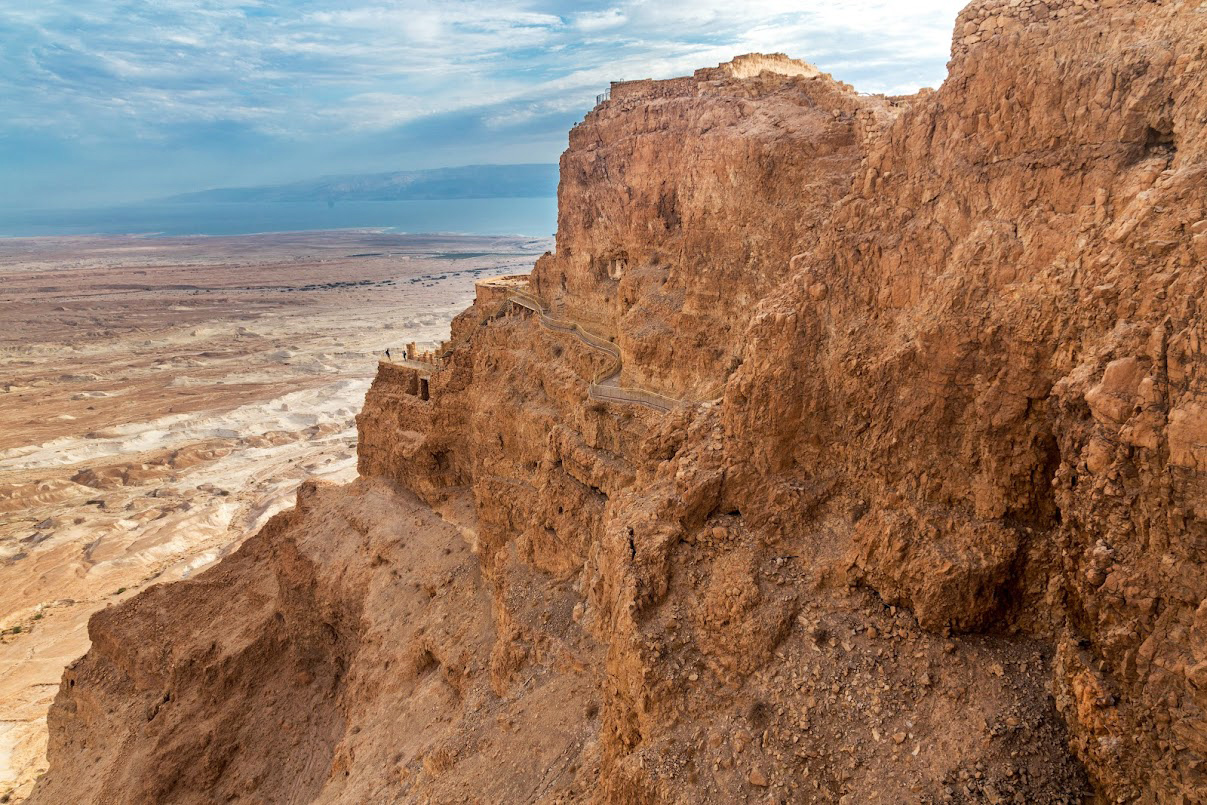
x=161 y=398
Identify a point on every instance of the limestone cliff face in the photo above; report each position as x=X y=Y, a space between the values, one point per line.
x=682 y=202
x=987 y=379
x=343 y=654
x=937 y=533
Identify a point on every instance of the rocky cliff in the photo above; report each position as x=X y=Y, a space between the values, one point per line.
x=682 y=203
x=926 y=520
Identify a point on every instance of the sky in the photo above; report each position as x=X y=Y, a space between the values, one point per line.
x=108 y=102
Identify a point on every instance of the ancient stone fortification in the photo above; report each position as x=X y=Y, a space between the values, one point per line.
x=938 y=535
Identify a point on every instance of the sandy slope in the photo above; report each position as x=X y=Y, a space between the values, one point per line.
x=161 y=399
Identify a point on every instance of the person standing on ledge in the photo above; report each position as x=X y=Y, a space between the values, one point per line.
x=388 y=354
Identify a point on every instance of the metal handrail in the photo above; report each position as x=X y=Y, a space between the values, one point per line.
x=601 y=388
x=631 y=395
x=604 y=386
x=422 y=366
x=565 y=325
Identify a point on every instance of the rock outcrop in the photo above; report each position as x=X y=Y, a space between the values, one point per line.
x=358 y=667
x=682 y=203
x=1000 y=378
x=930 y=523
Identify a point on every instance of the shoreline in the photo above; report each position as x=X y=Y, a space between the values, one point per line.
x=491 y=217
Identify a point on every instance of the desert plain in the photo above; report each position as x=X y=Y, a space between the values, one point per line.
x=162 y=397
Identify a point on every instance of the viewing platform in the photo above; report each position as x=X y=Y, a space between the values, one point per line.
x=425 y=362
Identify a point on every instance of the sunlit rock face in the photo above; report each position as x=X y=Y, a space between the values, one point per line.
x=987 y=373
x=682 y=203
x=938 y=534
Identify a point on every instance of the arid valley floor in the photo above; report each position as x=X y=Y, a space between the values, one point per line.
x=160 y=398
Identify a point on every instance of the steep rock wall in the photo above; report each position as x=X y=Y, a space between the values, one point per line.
x=940 y=539
x=681 y=203
x=989 y=369
x=343 y=654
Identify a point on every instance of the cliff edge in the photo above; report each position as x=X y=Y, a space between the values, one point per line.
x=847 y=449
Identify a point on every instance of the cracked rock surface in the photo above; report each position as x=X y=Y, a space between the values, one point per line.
x=939 y=536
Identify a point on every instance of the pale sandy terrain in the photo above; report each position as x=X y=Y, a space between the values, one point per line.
x=161 y=398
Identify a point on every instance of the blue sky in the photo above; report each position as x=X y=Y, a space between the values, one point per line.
x=107 y=101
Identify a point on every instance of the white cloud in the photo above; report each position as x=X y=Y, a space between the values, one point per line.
x=319 y=69
x=599 y=20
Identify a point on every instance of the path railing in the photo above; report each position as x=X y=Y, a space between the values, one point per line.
x=534 y=304
x=606 y=386
x=422 y=366
x=650 y=399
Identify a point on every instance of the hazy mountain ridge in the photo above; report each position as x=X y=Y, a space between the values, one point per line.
x=470 y=181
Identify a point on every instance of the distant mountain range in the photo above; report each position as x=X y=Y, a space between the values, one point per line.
x=470 y=181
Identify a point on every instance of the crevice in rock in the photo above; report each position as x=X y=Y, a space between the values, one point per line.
x=1160 y=140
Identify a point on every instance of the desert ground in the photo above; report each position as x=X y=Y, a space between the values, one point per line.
x=160 y=398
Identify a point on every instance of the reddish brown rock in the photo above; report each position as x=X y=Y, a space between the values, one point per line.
x=941 y=537
x=1015 y=343
x=682 y=202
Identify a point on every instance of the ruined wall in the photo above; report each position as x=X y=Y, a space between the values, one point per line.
x=751 y=65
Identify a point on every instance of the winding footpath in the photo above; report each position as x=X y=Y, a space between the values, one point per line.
x=606 y=386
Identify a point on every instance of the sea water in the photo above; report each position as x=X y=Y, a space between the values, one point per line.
x=475 y=216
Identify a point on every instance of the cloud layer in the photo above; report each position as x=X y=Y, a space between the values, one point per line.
x=110 y=99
